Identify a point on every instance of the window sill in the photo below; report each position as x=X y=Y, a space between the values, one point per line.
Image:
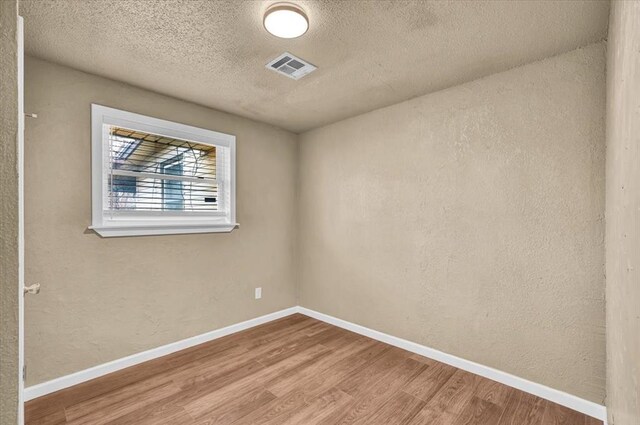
x=150 y=230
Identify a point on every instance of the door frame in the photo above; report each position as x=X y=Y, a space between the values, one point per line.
x=20 y=148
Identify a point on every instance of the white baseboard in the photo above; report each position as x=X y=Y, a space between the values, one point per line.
x=581 y=405
x=76 y=378
x=572 y=402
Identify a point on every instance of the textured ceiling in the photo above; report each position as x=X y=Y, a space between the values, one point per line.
x=370 y=54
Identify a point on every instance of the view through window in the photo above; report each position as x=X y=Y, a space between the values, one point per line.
x=148 y=172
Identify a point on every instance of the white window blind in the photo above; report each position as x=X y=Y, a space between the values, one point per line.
x=153 y=176
x=152 y=173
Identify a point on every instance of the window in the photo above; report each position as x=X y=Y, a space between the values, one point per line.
x=153 y=177
x=172 y=191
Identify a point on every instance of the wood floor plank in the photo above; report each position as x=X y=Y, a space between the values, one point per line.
x=510 y=411
x=423 y=359
x=494 y=392
x=400 y=409
x=286 y=350
x=479 y=412
x=588 y=420
x=154 y=414
x=46 y=410
x=310 y=373
x=115 y=397
x=359 y=381
x=260 y=335
x=429 y=382
x=276 y=411
x=53 y=416
x=124 y=407
x=267 y=351
x=203 y=397
x=554 y=414
x=224 y=412
x=523 y=409
x=486 y=406
x=376 y=391
x=295 y=370
x=320 y=383
x=319 y=408
x=216 y=376
x=449 y=400
x=119 y=379
x=343 y=338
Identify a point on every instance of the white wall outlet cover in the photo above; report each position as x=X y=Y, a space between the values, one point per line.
x=258 y=293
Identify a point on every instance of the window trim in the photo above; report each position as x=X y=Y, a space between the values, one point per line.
x=150 y=224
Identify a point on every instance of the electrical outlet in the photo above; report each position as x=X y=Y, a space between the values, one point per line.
x=258 y=293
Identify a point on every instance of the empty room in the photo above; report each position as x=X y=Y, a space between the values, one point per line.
x=309 y=212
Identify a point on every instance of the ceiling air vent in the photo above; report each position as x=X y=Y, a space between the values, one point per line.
x=290 y=66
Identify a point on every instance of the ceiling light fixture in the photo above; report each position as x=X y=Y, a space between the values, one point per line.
x=285 y=20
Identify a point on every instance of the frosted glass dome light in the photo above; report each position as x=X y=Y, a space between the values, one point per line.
x=286 y=20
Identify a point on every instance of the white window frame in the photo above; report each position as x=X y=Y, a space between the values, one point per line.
x=110 y=224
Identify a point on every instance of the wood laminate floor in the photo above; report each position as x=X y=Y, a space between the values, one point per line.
x=296 y=370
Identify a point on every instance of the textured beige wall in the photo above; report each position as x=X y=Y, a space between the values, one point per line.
x=623 y=214
x=9 y=373
x=470 y=220
x=103 y=299
x=8 y=213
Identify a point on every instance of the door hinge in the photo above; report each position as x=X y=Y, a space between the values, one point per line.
x=24 y=372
